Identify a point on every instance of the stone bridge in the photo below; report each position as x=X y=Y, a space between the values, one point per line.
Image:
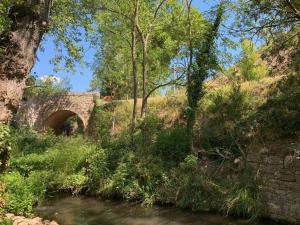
x=51 y=111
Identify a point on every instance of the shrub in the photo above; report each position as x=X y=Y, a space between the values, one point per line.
x=244 y=202
x=279 y=116
x=224 y=114
x=123 y=183
x=6 y=222
x=186 y=187
x=18 y=196
x=97 y=170
x=172 y=145
x=5 y=146
x=62 y=165
x=102 y=117
x=27 y=141
x=2 y=201
x=148 y=131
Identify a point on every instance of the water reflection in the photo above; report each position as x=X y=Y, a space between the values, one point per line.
x=90 y=211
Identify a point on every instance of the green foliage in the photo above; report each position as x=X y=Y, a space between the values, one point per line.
x=26 y=141
x=205 y=63
x=5 y=146
x=19 y=193
x=102 y=117
x=46 y=163
x=243 y=202
x=6 y=222
x=224 y=116
x=148 y=131
x=45 y=85
x=2 y=200
x=97 y=170
x=123 y=182
x=251 y=66
x=279 y=116
x=172 y=145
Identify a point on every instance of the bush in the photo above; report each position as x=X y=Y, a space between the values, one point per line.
x=2 y=200
x=148 y=131
x=62 y=165
x=18 y=196
x=186 y=187
x=172 y=145
x=97 y=170
x=243 y=202
x=102 y=117
x=279 y=116
x=6 y=222
x=5 y=146
x=123 y=183
x=224 y=116
x=27 y=141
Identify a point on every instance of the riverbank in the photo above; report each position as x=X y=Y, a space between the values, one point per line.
x=92 y=211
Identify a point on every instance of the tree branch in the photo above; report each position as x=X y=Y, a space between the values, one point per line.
x=293 y=8
x=165 y=84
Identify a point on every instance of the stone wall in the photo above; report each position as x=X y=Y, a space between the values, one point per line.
x=43 y=111
x=278 y=168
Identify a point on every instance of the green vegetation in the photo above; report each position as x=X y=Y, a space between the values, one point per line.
x=157 y=170
x=188 y=148
x=5 y=146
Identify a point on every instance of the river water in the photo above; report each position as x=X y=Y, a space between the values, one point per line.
x=90 y=211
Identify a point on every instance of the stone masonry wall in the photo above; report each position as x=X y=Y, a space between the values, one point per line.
x=49 y=108
x=279 y=170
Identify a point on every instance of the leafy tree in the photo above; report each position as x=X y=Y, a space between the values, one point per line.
x=161 y=40
x=22 y=26
x=205 y=63
x=251 y=66
x=45 y=85
x=277 y=22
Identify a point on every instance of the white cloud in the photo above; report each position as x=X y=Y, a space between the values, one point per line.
x=51 y=78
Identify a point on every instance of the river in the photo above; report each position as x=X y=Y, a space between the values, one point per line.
x=91 y=211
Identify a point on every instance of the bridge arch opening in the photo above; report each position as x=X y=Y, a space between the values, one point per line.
x=64 y=122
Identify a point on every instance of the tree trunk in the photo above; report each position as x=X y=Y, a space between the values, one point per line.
x=19 y=45
x=145 y=77
x=190 y=113
x=134 y=63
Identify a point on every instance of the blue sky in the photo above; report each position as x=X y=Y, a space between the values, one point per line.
x=80 y=80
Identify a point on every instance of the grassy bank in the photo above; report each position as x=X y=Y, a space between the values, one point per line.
x=158 y=168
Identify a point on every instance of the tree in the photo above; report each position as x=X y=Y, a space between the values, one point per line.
x=157 y=42
x=251 y=66
x=19 y=44
x=277 y=22
x=47 y=84
x=202 y=68
x=23 y=24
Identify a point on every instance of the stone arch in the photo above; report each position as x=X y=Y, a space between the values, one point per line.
x=50 y=110
x=56 y=120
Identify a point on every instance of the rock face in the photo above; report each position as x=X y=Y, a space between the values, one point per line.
x=279 y=170
x=50 y=111
x=21 y=220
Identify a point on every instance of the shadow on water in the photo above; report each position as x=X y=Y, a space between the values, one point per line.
x=90 y=211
